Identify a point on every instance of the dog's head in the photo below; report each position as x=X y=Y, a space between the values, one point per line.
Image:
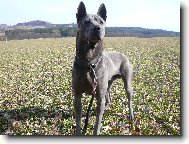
x=91 y=27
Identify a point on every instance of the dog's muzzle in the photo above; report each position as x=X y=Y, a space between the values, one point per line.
x=96 y=33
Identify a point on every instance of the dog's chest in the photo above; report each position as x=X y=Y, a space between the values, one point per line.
x=85 y=82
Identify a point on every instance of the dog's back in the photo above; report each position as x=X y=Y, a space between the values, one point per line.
x=115 y=63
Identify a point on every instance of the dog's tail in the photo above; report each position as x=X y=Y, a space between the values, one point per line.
x=87 y=114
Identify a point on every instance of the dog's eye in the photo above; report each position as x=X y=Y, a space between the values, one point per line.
x=86 y=22
x=101 y=22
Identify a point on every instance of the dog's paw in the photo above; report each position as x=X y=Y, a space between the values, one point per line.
x=131 y=117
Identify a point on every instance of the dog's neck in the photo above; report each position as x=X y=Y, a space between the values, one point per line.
x=83 y=48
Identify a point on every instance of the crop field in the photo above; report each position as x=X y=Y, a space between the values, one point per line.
x=36 y=96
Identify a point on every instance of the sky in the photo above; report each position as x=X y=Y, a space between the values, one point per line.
x=156 y=14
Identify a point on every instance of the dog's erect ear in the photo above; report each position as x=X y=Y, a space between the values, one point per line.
x=102 y=12
x=81 y=11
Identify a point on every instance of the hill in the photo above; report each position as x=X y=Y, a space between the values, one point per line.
x=34 y=23
x=42 y=29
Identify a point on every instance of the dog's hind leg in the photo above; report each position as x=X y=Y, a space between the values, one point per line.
x=108 y=95
x=78 y=112
x=108 y=98
x=127 y=73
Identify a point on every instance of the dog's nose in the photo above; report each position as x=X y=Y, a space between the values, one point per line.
x=96 y=28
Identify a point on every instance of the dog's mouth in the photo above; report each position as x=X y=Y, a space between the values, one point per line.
x=96 y=37
x=95 y=40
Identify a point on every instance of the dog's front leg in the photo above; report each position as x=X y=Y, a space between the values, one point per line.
x=99 y=113
x=78 y=113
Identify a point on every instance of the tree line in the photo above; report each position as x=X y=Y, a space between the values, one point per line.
x=58 y=32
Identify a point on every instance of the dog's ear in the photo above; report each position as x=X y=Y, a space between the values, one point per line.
x=81 y=11
x=102 y=12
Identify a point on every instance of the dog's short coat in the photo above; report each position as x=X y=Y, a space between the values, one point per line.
x=107 y=66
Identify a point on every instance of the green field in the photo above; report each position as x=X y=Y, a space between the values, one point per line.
x=36 y=96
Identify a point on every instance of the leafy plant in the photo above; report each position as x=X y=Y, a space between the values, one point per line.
x=36 y=96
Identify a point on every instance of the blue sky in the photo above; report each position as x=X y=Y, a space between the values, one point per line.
x=158 y=14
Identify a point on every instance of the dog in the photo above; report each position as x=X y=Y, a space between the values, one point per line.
x=94 y=69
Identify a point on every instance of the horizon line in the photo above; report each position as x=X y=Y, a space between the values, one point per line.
x=76 y=24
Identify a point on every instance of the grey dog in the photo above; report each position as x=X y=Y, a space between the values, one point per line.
x=94 y=70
